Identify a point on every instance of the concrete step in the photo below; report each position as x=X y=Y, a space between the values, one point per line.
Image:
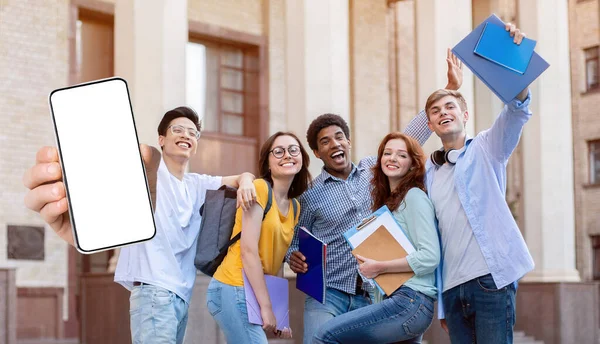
x=521 y=338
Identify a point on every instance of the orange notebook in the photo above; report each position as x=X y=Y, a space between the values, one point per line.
x=381 y=245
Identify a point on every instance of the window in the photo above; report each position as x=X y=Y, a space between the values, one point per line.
x=594 y=162
x=222 y=86
x=591 y=68
x=596 y=257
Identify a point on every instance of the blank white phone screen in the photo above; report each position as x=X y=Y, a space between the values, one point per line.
x=109 y=200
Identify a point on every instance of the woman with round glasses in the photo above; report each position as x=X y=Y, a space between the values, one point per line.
x=283 y=163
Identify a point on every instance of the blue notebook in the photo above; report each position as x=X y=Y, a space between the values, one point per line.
x=496 y=45
x=505 y=83
x=314 y=281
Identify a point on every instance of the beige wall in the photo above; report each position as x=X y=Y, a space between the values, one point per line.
x=276 y=30
x=584 y=33
x=240 y=15
x=370 y=98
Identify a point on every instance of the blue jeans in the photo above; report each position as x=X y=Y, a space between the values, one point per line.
x=402 y=317
x=156 y=315
x=336 y=303
x=227 y=305
x=478 y=312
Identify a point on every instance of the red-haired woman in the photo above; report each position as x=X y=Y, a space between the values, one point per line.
x=398 y=182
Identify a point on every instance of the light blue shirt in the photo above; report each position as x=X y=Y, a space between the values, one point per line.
x=167 y=261
x=416 y=216
x=480 y=181
x=463 y=260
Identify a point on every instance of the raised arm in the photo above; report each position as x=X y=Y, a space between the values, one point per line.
x=502 y=138
x=417 y=128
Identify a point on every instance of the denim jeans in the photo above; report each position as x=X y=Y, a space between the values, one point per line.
x=227 y=305
x=156 y=315
x=478 y=312
x=403 y=317
x=336 y=303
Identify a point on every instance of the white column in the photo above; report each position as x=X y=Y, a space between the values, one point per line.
x=150 y=43
x=317 y=63
x=548 y=147
x=441 y=24
x=487 y=105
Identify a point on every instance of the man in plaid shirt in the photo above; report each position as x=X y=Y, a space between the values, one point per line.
x=338 y=200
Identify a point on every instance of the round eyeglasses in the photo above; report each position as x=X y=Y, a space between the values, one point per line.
x=279 y=152
x=180 y=130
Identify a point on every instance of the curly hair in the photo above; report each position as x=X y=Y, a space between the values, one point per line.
x=415 y=177
x=324 y=121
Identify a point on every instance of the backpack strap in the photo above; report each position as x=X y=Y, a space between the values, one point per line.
x=295 y=205
x=269 y=199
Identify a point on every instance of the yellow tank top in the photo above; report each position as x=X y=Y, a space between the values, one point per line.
x=276 y=234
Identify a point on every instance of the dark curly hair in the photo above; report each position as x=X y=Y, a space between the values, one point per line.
x=324 y=121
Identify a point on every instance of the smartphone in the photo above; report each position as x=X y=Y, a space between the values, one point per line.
x=103 y=172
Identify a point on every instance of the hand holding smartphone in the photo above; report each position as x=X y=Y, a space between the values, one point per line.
x=106 y=184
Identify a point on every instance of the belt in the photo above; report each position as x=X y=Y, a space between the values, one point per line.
x=136 y=283
x=359 y=290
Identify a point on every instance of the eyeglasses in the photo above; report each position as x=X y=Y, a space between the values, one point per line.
x=180 y=130
x=279 y=152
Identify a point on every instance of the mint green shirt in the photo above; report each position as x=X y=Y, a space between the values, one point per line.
x=417 y=217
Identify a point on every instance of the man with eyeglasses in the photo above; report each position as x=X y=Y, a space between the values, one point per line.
x=160 y=273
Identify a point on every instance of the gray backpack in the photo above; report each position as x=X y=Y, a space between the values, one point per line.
x=218 y=218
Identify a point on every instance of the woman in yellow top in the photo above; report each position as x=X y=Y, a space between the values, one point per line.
x=283 y=164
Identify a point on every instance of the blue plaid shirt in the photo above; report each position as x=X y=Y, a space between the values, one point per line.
x=333 y=205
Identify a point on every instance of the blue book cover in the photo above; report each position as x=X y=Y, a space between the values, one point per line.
x=314 y=281
x=496 y=45
x=505 y=83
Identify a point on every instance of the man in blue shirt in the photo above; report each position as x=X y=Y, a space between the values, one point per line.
x=483 y=251
x=338 y=200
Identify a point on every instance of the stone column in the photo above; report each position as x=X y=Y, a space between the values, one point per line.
x=8 y=306
x=317 y=63
x=150 y=43
x=548 y=147
x=441 y=24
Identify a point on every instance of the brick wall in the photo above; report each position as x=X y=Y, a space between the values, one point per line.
x=584 y=32
x=33 y=61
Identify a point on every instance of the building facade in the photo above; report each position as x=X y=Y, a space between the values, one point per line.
x=253 y=67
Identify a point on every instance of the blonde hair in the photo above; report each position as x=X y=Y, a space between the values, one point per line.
x=441 y=93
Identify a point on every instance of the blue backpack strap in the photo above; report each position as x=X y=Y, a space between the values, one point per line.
x=295 y=205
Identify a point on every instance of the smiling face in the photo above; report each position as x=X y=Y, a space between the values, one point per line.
x=333 y=148
x=287 y=165
x=395 y=161
x=182 y=145
x=446 y=118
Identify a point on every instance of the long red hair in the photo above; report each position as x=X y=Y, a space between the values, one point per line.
x=415 y=177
